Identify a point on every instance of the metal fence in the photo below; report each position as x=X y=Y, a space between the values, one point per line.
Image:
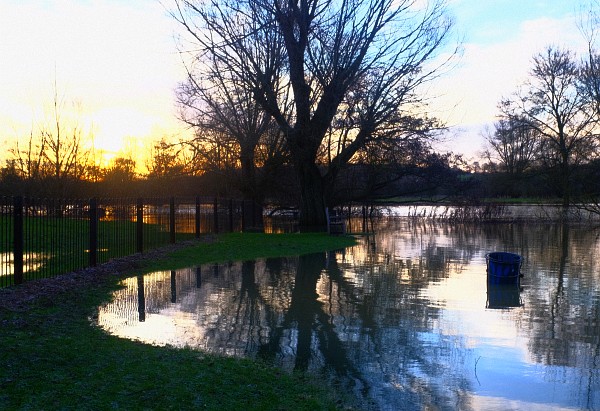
x=41 y=238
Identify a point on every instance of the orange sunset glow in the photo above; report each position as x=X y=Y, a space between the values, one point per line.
x=119 y=63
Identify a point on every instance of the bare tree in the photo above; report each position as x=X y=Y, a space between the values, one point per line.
x=590 y=67
x=168 y=160
x=27 y=160
x=552 y=104
x=589 y=26
x=514 y=145
x=318 y=52
x=230 y=126
x=57 y=151
x=65 y=155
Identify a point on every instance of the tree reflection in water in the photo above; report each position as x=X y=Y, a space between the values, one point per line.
x=403 y=320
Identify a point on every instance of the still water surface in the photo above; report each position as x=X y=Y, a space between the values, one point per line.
x=404 y=320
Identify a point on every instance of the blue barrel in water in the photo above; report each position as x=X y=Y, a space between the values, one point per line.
x=503 y=268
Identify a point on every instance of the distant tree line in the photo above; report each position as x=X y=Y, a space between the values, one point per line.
x=57 y=159
x=547 y=138
x=311 y=106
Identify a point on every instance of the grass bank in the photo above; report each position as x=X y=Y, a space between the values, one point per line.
x=52 y=357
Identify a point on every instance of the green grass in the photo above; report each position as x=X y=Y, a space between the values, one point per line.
x=248 y=246
x=62 y=244
x=52 y=357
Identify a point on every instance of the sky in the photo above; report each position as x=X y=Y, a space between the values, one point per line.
x=499 y=39
x=117 y=61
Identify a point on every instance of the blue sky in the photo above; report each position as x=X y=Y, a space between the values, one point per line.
x=500 y=37
x=499 y=20
x=118 y=60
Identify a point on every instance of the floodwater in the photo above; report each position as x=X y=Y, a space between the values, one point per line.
x=404 y=320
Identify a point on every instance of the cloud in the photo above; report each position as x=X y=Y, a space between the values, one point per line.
x=489 y=72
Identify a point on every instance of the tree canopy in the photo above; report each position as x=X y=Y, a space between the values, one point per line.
x=554 y=106
x=341 y=72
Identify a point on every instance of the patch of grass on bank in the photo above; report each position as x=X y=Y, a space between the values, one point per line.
x=52 y=357
x=249 y=246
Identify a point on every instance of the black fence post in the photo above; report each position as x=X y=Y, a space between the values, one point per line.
x=231 y=215
x=172 y=219
x=141 y=299
x=197 y=218
x=216 y=215
x=139 y=225
x=93 y=214
x=173 y=287
x=243 y=216
x=18 y=239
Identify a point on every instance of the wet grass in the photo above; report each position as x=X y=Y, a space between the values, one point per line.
x=248 y=246
x=54 y=246
x=52 y=357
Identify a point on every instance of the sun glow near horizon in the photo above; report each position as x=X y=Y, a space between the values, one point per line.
x=119 y=61
x=116 y=61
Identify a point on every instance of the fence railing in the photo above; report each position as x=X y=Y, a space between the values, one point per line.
x=42 y=238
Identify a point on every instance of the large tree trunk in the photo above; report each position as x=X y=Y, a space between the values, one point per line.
x=565 y=182
x=312 y=199
x=248 y=181
x=251 y=192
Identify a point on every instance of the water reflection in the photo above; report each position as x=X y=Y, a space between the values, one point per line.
x=405 y=320
x=32 y=262
x=501 y=296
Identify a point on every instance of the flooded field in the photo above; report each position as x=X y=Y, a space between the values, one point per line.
x=404 y=320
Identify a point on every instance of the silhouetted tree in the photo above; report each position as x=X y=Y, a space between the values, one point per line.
x=551 y=103
x=229 y=125
x=590 y=88
x=514 y=145
x=118 y=177
x=56 y=153
x=26 y=160
x=590 y=70
x=168 y=160
x=364 y=58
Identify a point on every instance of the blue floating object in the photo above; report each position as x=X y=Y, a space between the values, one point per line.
x=503 y=268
